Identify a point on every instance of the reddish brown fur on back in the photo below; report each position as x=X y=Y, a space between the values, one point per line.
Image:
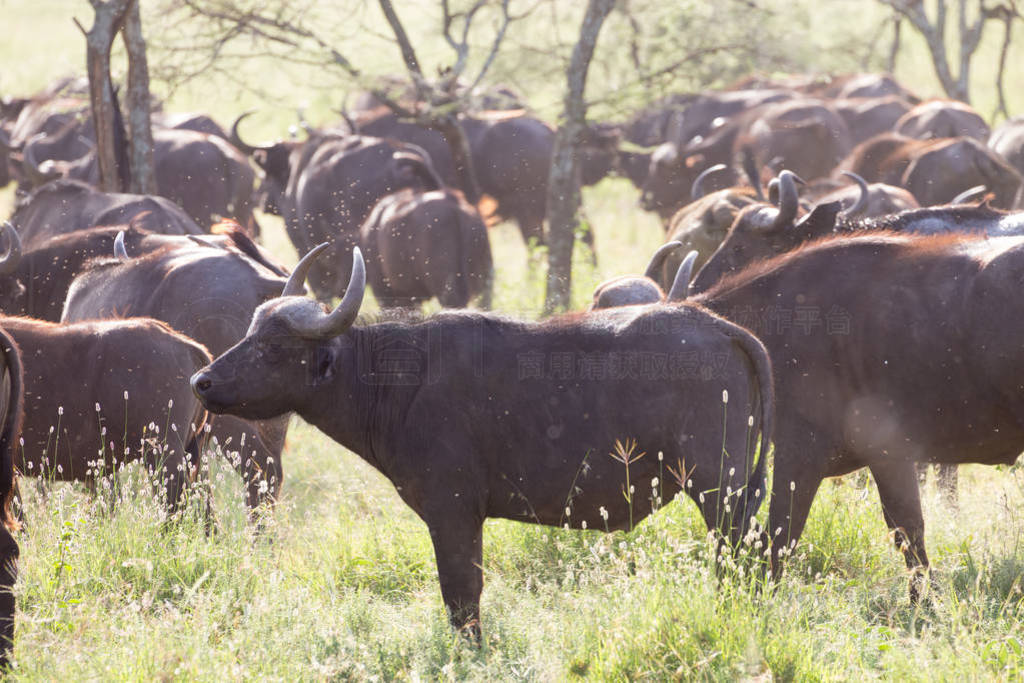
x=921 y=244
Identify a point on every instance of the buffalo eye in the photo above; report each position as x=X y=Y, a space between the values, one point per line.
x=272 y=351
x=324 y=363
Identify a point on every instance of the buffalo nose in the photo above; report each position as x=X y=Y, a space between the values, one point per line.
x=200 y=384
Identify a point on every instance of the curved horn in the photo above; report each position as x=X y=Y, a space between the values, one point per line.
x=9 y=262
x=681 y=285
x=120 y=253
x=789 y=200
x=969 y=195
x=296 y=281
x=697 y=189
x=237 y=141
x=36 y=175
x=862 y=198
x=342 y=317
x=658 y=260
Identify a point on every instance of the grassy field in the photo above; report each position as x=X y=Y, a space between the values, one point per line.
x=343 y=584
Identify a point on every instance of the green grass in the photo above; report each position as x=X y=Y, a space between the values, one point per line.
x=342 y=584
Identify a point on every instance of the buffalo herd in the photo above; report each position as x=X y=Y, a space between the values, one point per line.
x=836 y=290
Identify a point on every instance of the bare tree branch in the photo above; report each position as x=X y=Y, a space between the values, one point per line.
x=934 y=32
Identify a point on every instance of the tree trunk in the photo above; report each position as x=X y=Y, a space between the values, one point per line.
x=143 y=177
x=462 y=155
x=563 y=201
x=108 y=20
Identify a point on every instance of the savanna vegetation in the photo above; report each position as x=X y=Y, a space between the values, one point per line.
x=342 y=584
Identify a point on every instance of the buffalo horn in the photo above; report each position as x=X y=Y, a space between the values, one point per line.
x=697 y=189
x=342 y=317
x=236 y=140
x=969 y=195
x=10 y=260
x=658 y=260
x=789 y=200
x=296 y=281
x=681 y=285
x=862 y=198
x=36 y=175
x=120 y=253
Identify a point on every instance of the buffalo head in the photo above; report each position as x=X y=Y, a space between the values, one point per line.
x=292 y=343
x=763 y=231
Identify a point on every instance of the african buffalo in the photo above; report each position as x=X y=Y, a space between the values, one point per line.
x=421 y=245
x=332 y=184
x=35 y=282
x=511 y=157
x=207 y=291
x=203 y=174
x=11 y=414
x=490 y=417
x=134 y=383
x=702 y=225
x=936 y=170
x=868 y=199
x=890 y=349
x=804 y=134
x=866 y=117
x=63 y=206
x=942 y=119
x=762 y=232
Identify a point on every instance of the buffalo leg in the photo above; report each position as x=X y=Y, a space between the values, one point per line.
x=901 y=506
x=794 y=485
x=458 y=546
x=8 y=575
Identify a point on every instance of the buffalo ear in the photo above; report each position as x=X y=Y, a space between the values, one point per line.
x=821 y=220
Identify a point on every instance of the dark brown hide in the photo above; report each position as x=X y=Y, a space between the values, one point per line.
x=423 y=245
x=441 y=409
x=208 y=292
x=890 y=349
x=65 y=206
x=63 y=430
x=943 y=119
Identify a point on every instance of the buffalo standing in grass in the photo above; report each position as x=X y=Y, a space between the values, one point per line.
x=474 y=416
x=889 y=350
x=92 y=392
x=208 y=292
x=421 y=245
